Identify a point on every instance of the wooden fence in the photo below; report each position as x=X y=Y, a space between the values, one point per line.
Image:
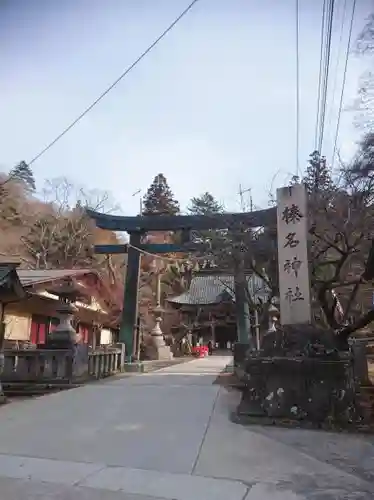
x=48 y=367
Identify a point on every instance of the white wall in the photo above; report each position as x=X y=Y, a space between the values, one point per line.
x=105 y=337
x=17 y=326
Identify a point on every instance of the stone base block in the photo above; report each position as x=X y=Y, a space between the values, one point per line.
x=136 y=367
x=299 y=388
x=160 y=352
x=240 y=351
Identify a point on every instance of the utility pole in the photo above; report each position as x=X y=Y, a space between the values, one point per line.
x=241 y=193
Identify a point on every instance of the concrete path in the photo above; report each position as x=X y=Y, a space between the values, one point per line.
x=167 y=436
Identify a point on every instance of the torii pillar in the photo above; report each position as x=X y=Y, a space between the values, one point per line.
x=130 y=300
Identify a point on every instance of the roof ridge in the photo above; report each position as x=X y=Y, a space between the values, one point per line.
x=31 y=277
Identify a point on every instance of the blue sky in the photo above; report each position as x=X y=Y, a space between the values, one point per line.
x=211 y=107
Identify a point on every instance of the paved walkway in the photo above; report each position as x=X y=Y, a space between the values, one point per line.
x=167 y=435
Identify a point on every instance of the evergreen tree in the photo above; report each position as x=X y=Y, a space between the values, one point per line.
x=159 y=199
x=23 y=173
x=317 y=178
x=205 y=204
x=362 y=166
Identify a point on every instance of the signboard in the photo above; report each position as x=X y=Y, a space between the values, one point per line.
x=294 y=284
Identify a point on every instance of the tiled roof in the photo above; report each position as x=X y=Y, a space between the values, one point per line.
x=5 y=270
x=10 y=279
x=213 y=289
x=29 y=277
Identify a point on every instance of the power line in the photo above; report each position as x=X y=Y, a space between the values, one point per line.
x=320 y=74
x=126 y=72
x=343 y=83
x=324 y=77
x=337 y=60
x=297 y=90
x=326 y=72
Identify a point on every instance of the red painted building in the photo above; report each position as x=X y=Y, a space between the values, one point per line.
x=30 y=320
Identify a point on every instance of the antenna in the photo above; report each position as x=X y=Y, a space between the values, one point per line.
x=242 y=202
x=139 y=191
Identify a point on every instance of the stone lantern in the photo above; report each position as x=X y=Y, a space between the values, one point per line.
x=159 y=349
x=64 y=336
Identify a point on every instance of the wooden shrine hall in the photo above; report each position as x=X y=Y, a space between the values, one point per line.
x=208 y=306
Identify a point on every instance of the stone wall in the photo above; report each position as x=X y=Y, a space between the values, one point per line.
x=300 y=388
x=302 y=375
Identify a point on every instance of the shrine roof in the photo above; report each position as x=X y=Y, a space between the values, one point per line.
x=5 y=272
x=216 y=288
x=29 y=277
x=10 y=285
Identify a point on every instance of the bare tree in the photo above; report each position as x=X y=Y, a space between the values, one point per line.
x=244 y=251
x=363 y=105
x=341 y=218
x=342 y=228
x=15 y=204
x=59 y=233
x=341 y=248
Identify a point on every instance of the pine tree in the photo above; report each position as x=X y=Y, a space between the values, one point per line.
x=23 y=173
x=362 y=166
x=205 y=204
x=317 y=178
x=159 y=199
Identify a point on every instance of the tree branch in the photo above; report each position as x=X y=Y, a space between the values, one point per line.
x=365 y=320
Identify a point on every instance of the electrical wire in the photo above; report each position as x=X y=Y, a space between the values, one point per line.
x=125 y=73
x=343 y=83
x=320 y=73
x=297 y=89
x=338 y=60
x=326 y=73
x=324 y=82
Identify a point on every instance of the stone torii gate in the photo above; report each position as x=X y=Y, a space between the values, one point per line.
x=139 y=226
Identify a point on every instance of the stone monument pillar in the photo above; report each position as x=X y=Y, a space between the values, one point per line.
x=294 y=282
